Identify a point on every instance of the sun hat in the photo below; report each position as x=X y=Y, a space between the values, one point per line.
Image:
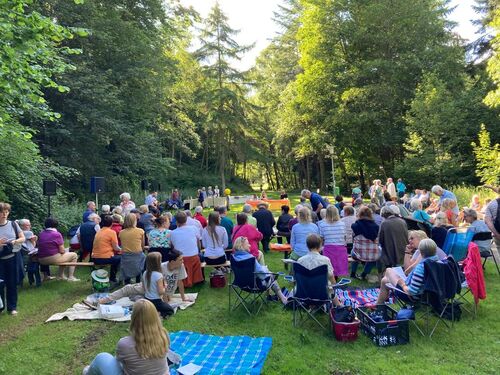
x=263 y=204
x=100 y=276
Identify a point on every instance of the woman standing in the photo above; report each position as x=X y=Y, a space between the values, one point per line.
x=51 y=250
x=159 y=238
x=11 y=239
x=332 y=231
x=132 y=243
x=143 y=352
x=214 y=240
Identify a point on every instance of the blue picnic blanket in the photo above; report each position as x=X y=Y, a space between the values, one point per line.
x=221 y=354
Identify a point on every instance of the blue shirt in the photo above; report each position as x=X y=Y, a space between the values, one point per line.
x=316 y=199
x=415 y=280
x=240 y=255
x=450 y=195
x=86 y=214
x=401 y=187
x=422 y=216
x=300 y=231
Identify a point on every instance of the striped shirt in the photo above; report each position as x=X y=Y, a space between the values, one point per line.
x=415 y=279
x=332 y=233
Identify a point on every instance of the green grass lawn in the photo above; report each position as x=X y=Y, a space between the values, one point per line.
x=29 y=346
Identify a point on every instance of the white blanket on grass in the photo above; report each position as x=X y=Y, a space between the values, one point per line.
x=80 y=311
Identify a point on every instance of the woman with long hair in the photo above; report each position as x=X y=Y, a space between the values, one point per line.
x=214 y=239
x=132 y=243
x=154 y=284
x=143 y=352
x=332 y=231
x=300 y=231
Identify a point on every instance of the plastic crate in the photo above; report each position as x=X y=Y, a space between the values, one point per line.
x=388 y=332
x=344 y=331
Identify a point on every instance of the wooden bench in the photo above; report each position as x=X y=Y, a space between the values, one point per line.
x=75 y=264
x=205 y=265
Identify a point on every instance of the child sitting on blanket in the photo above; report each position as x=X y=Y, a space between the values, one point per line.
x=173 y=273
x=154 y=285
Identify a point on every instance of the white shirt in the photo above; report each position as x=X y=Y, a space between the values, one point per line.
x=348 y=221
x=213 y=249
x=195 y=223
x=185 y=239
x=171 y=277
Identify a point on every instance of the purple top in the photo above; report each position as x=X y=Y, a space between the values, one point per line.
x=49 y=241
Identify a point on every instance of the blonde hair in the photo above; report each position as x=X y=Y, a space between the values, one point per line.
x=448 y=204
x=332 y=214
x=420 y=234
x=151 y=338
x=143 y=208
x=440 y=219
x=304 y=215
x=130 y=221
x=238 y=243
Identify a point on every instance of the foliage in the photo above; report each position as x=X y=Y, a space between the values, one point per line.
x=488 y=158
x=493 y=97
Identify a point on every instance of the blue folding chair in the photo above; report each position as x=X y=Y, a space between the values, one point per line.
x=249 y=288
x=311 y=295
x=457 y=242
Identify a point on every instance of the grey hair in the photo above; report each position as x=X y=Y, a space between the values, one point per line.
x=125 y=196
x=105 y=208
x=23 y=222
x=470 y=212
x=386 y=211
x=322 y=213
x=89 y=203
x=198 y=209
x=416 y=204
x=437 y=189
x=304 y=192
x=188 y=213
x=394 y=209
x=92 y=216
x=297 y=208
x=440 y=219
x=427 y=248
x=247 y=208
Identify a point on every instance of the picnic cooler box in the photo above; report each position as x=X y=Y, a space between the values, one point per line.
x=388 y=331
x=344 y=331
x=217 y=280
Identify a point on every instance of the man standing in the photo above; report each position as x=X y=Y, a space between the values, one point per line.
x=492 y=220
x=317 y=201
x=391 y=188
x=265 y=224
x=401 y=188
x=152 y=199
x=443 y=194
x=90 y=210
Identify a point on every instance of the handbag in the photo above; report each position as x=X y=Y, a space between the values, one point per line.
x=217 y=279
x=8 y=248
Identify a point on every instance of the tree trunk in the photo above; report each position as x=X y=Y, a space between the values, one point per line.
x=362 y=179
x=308 y=173
x=322 y=174
x=222 y=162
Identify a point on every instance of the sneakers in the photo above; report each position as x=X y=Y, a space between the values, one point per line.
x=73 y=278
x=13 y=312
x=63 y=277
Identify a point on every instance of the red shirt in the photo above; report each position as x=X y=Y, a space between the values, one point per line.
x=252 y=234
x=201 y=219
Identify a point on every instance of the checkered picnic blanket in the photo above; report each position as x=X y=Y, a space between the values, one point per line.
x=359 y=297
x=221 y=354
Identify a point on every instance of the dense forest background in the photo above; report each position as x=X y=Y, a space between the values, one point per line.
x=114 y=89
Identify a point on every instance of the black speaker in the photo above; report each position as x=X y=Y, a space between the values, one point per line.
x=49 y=187
x=144 y=185
x=155 y=186
x=96 y=184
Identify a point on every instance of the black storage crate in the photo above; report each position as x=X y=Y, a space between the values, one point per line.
x=388 y=332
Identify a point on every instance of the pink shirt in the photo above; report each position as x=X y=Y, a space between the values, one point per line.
x=49 y=241
x=251 y=233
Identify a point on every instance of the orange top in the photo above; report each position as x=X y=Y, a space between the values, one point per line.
x=103 y=243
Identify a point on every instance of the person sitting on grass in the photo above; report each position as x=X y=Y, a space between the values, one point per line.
x=242 y=252
x=411 y=287
x=173 y=273
x=314 y=259
x=144 y=351
x=154 y=285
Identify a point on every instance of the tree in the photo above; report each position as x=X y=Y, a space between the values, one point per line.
x=488 y=158
x=493 y=97
x=224 y=96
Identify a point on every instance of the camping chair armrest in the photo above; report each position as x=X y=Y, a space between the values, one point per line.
x=394 y=288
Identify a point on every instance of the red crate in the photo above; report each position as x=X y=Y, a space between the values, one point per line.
x=344 y=331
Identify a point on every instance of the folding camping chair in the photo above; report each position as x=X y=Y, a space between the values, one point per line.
x=456 y=243
x=310 y=296
x=485 y=236
x=441 y=285
x=249 y=288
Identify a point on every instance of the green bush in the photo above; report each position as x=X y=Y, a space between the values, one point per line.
x=465 y=193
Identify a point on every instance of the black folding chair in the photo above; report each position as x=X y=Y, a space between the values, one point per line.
x=441 y=285
x=249 y=288
x=485 y=236
x=311 y=295
x=414 y=224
